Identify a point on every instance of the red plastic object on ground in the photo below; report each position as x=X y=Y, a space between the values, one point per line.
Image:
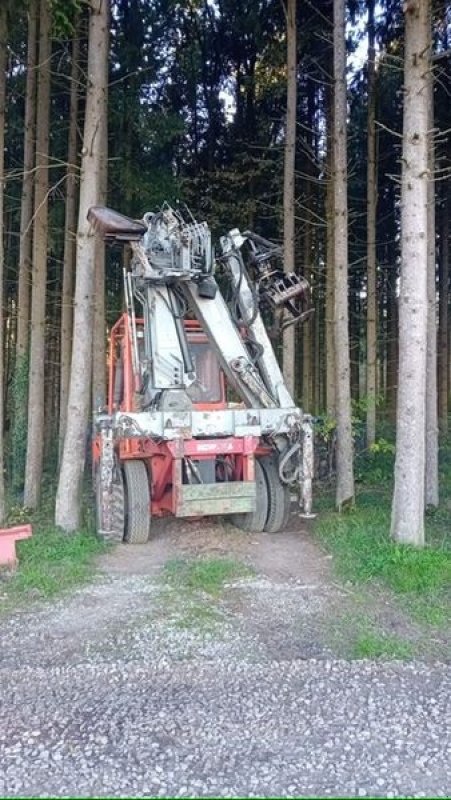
x=8 y=539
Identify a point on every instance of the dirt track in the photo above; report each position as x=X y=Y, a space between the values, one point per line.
x=134 y=687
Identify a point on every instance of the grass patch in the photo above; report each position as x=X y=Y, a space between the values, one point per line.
x=199 y=618
x=363 y=550
x=374 y=645
x=50 y=562
x=208 y=575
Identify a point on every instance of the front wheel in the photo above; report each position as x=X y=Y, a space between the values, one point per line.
x=110 y=527
x=279 y=498
x=137 y=502
x=254 y=521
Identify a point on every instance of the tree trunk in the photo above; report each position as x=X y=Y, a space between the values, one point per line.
x=431 y=433
x=408 y=499
x=98 y=340
x=354 y=347
x=289 y=187
x=392 y=347
x=345 y=470
x=68 y=499
x=307 y=328
x=443 y=317
x=26 y=208
x=330 y=278
x=20 y=376
x=307 y=365
x=33 y=469
x=3 y=63
x=371 y=202
x=70 y=231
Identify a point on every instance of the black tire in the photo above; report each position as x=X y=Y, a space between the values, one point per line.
x=137 y=502
x=116 y=526
x=279 y=498
x=254 y=521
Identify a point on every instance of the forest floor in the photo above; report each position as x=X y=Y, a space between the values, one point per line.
x=209 y=662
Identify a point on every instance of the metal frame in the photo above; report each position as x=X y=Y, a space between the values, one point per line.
x=171 y=271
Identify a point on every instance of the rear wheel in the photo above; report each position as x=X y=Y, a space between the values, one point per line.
x=110 y=527
x=279 y=499
x=254 y=520
x=137 y=502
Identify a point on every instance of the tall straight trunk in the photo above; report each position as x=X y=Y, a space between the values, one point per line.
x=371 y=202
x=68 y=498
x=431 y=433
x=26 y=207
x=35 y=444
x=316 y=350
x=330 y=277
x=408 y=500
x=443 y=318
x=20 y=375
x=52 y=381
x=3 y=62
x=345 y=468
x=354 y=328
x=307 y=365
x=307 y=328
x=289 y=186
x=70 y=231
x=98 y=340
x=392 y=347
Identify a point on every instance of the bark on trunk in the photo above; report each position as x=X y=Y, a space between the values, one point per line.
x=35 y=444
x=289 y=186
x=345 y=470
x=392 y=348
x=443 y=318
x=408 y=499
x=354 y=345
x=99 y=337
x=26 y=207
x=70 y=233
x=68 y=499
x=330 y=278
x=431 y=465
x=3 y=62
x=371 y=202
x=307 y=328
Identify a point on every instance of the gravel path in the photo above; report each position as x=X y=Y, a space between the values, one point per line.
x=115 y=691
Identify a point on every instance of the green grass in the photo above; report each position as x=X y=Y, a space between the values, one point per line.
x=207 y=575
x=364 y=552
x=198 y=617
x=361 y=543
x=50 y=562
x=373 y=645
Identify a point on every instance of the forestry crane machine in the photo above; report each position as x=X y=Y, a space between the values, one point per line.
x=198 y=420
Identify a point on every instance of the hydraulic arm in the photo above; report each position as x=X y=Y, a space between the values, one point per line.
x=172 y=279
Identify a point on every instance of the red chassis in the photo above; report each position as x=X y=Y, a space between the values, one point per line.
x=233 y=457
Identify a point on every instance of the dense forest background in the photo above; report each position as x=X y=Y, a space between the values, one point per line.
x=197 y=114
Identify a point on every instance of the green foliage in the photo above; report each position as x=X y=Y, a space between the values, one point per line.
x=375 y=465
x=382 y=446
x=207 y=575
x=360 y=406
x=64 y=16
x=325 y=427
